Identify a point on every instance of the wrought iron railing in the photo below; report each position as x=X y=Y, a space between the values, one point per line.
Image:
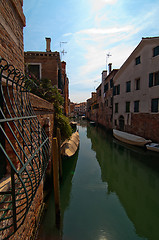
x=24 y=147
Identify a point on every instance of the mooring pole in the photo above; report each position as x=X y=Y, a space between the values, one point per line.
x=56 y=181
x=59 y=153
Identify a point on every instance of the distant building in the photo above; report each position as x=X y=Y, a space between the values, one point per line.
x=136 y=91
x=82 y=110
x=106 y=119
x=77 y=109
x=71 y=109
x=100 y=107
x=92 y=107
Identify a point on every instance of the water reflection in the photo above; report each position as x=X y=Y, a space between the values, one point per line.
x=133 y=174
x=49 y=230
x=109 y=192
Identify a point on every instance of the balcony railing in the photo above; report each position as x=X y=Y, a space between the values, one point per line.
x=24 y=150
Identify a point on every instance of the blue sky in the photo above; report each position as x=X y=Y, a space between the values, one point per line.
x=92 y=29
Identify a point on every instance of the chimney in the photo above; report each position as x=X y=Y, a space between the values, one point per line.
x=104 y=75
x=48 y=41
x=110 y=67
x=63 y=65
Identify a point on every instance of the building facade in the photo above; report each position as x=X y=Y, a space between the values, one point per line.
x=45 y=65
x=12 y=21
x=48 y=65
x=136 y=91
x=100 y=109
x=66 y=88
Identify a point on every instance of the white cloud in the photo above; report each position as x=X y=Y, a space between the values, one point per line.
x=67 y=34
x=103 y=31
x=97 y=5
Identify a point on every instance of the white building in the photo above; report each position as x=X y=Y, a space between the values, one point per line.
x=136 y=91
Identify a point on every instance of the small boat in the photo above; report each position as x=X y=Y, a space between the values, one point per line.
x=92 y=123
x=70 y=146
x=73 y=124
x=130 y=138
x=153 y=147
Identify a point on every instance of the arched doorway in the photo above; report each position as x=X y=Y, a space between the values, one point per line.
x=121 y=123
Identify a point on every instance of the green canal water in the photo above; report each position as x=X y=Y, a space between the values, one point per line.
x=109 y=191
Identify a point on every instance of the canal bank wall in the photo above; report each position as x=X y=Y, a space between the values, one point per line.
x=141 y=124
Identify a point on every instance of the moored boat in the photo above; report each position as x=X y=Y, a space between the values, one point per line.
x=130 y=138
x=70 y=146
x=73 y=124
x=92 y=123
x=153 y=147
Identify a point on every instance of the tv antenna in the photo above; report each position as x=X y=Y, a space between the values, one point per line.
x=62 y=51
x=61 y=44
x=107 y=56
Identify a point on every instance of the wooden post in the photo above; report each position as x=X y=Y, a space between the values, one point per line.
x=56 y=181
x=59 y=153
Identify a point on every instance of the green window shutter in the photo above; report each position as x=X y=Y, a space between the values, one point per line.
x=150 y=79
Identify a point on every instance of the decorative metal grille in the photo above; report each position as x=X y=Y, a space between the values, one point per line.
x=24 y=148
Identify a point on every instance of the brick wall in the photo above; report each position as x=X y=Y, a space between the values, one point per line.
x=49 y=64
x=145 y=125
x=26 y=231
x=45 y=113
x=12 y=21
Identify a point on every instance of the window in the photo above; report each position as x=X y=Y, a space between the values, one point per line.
x=136 y=106
x=150 y=79
x=137 y=60
x=156 y=51
x=34 y=70
x=116 y=90
x=99 y=93
x=127 y=107
x=155 y=105
x=153 y=79
x=128 y=86
x=111 y=83
x=156 y=80
x=137 y=84
x=106 y=87
x=111 y=101
x=116 y=107
x=95 y=106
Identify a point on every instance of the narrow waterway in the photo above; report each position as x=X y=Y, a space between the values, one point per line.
x=109 y=191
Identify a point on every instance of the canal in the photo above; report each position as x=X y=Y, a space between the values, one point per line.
x=109 y=191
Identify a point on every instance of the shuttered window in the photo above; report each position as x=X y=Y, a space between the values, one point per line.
x=116 y=107
x=128 y=86
x=156 y=80
x=137 y=60
x=150 y=79
x=155 y=105
x=127 y=107
x=136 y=106
x=156 y=51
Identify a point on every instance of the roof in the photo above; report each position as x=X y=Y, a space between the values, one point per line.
x=133 y=55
